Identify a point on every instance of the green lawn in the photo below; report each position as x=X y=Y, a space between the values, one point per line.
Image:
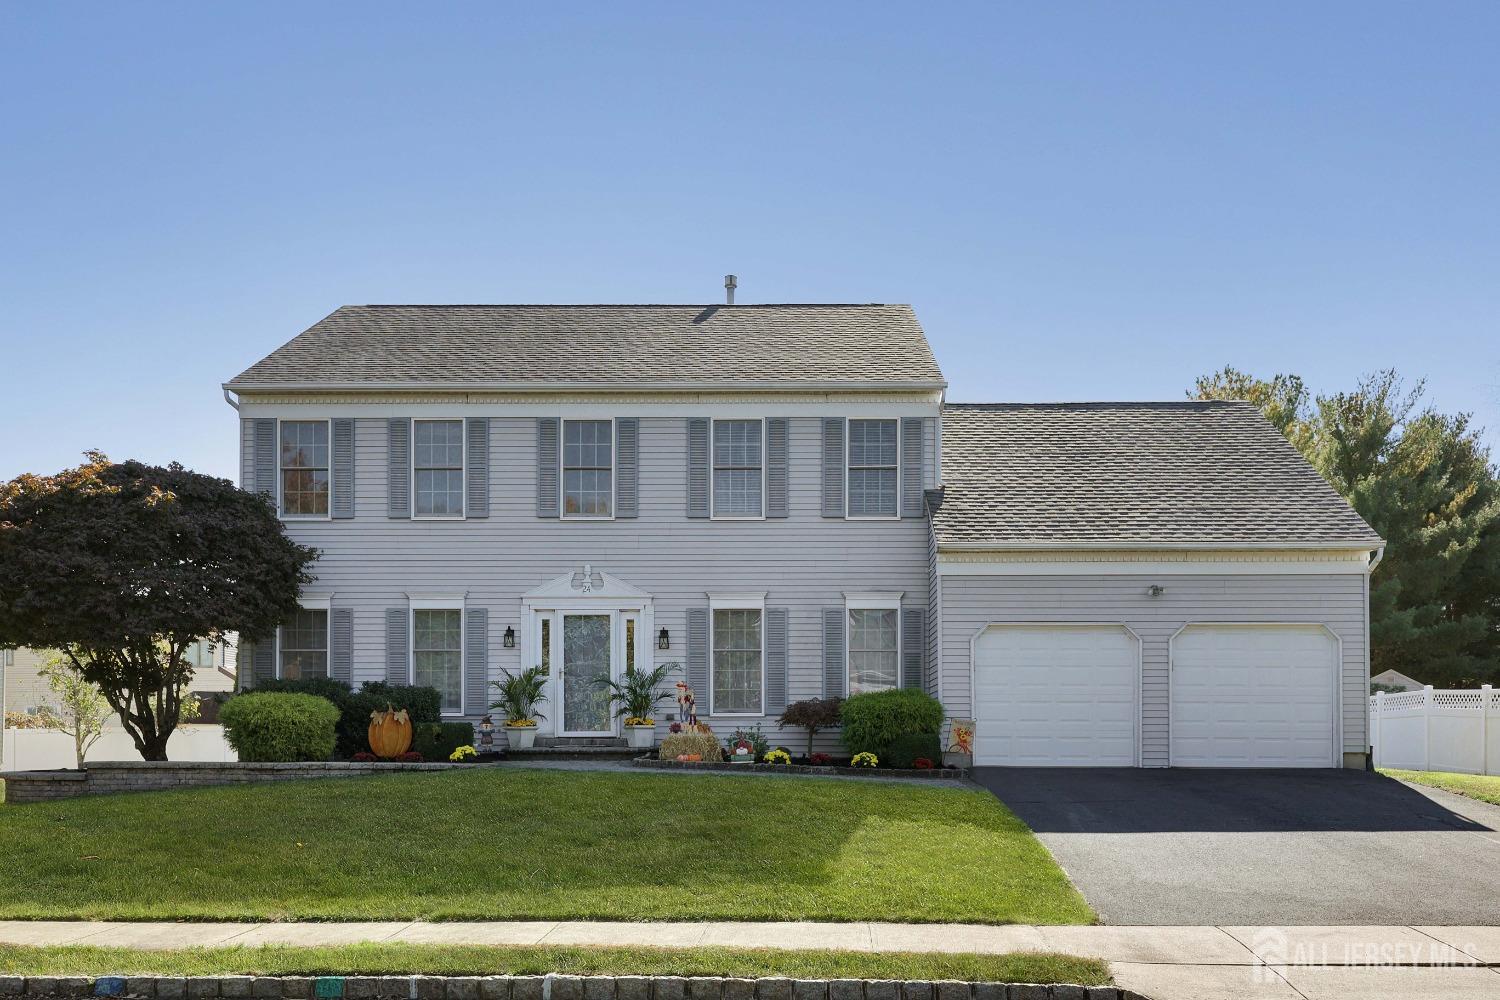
x=497 y=843
x=411 y=959
x=1476 y=786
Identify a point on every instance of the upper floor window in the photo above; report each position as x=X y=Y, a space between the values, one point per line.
x=437 y=659
x=303 y=649
x=304 y=468
x=438 y=468
x=739 y=470
x=588 y=455
x=874 y=460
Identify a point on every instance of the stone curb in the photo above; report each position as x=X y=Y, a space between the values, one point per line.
x=551 y=987
x=932 y=774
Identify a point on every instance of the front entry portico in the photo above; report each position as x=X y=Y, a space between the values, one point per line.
x=585 y=628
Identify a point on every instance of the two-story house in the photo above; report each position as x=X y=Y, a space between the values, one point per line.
x=777 y=498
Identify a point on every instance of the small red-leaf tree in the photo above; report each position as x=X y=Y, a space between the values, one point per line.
x=123 y=567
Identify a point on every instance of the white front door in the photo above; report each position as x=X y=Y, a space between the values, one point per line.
x=1254 y=696
x=1055 y=696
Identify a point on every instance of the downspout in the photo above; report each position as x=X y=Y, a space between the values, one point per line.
x=1378 y=555
x=230 y=399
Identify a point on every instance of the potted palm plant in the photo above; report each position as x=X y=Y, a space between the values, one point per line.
x=518 y=698
x=636 y=696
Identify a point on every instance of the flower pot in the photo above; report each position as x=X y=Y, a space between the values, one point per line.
x=641 y=737
x=520 y=737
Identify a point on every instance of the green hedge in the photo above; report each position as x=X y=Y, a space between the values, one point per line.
x=880 y=718
x=436 y=740
x=423 y=704
x=904 y=749
x=280 y=726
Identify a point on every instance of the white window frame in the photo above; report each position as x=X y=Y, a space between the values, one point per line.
x=737 y=602
x=871 y=600
x=764 y=497
x=280 y=506
x=439 y=602
x=562 y=468
x=324 y=604
x=872 y=517
x=463 y=434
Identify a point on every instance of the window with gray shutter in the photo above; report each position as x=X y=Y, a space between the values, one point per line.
x=697 y=467
x=397 y=646
x=874 y=468
x=833 y=466
x=627 y=466
x=343 y=468
x=341 y=634
x=778 y=499
x=777 y=650
x=833 y=652
x=476 y=659
x=913 y=445
x=398 y=468
x=546 y=467
x=913 y=647
x=477 y=467
x=697 y=654
x=264 y=659
x=263 y=459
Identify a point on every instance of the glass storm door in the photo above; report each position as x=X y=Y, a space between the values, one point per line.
x=586 y=658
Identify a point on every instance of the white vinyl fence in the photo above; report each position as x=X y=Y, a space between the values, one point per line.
x=1437 y=730
x=46 y=750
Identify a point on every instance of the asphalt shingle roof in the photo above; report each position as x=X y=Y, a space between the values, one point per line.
x=616 y=346
x=1094 y=473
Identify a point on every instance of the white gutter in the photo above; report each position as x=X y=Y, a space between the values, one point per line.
x=1091 y=546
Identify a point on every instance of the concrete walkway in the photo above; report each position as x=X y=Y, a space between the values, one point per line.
x=1166 y=963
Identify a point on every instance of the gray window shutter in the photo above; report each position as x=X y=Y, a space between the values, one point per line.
x=341 y=634
x=397 y=646
x=697 y=467
x=697 y=655
x=398 y=474
x=912 y=448
x=547 y=497
x=835 y=625
x=627 y=467
x=263 y=461
x=342 y=505
x=913 y=646
x=776 y=660
x=476 y=659
x=477 y=467
x=777 y=498
x=263 y=660
x=833 y=466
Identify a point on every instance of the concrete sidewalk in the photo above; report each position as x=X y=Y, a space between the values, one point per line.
x=1166 y=963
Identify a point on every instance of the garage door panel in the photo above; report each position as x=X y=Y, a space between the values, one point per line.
x=1253 y=696
x=1055 y=696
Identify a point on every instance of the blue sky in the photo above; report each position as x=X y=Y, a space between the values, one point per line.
x=1082 y=201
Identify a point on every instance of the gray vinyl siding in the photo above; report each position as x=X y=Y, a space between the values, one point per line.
x=804 y=562
x=933 y=682
x=969 y=603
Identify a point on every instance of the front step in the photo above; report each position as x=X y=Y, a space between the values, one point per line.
x=590 y=747
x=573 y=742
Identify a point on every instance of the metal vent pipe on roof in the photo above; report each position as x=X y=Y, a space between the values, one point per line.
x=730 y=283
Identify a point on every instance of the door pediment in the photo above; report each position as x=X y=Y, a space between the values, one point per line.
x=585 y=582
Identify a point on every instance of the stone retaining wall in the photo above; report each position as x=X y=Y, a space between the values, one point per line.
x=541 y=988
x=108 y=777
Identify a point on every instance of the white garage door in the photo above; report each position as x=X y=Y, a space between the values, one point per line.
x=1055 y=695
x=1253 y=696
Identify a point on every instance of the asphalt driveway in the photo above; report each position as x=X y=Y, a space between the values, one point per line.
x=1261 y=847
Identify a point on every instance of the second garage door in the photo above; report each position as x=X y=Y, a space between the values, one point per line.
x=1055 y=695
x=1253 y=696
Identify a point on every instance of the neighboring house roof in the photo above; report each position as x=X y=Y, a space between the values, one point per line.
x=1132 y=473
x=1396 y=679
x=604 y=346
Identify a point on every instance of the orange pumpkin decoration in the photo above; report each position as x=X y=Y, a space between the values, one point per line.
x=390 y=732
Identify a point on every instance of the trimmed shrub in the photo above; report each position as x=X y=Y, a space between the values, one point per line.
x=280 y=726
x=423 y=705
x=438 y=740
x=691 y=741
x=907 y=749
x=877 y=719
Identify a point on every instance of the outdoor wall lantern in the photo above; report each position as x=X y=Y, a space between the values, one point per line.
x=1156 y=590
x=510 y=637
x=664 y=640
